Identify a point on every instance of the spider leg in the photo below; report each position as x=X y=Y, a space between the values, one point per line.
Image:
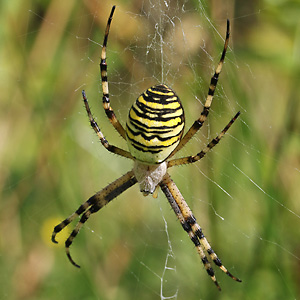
x=198 y=230
x=189 y=224
x=201 y=154
x=212 y=87
x=82 y=208
x=103 y=68
x=194 y=238
x=91 y=206
x=103 y=140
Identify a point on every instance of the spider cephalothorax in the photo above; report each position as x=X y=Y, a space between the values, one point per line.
x=153 y=132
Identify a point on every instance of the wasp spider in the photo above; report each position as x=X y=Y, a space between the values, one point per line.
x=154 y=131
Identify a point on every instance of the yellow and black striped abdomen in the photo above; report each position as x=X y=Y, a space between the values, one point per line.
x=155 y=124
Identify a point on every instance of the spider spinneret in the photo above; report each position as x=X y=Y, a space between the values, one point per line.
x=154 y=133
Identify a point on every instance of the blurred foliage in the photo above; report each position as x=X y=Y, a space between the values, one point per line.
x=245 y=193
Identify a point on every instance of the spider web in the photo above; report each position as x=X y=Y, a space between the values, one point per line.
x=180 y=44
x=243 y=193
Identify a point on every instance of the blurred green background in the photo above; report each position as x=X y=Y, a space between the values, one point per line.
x=245 y=193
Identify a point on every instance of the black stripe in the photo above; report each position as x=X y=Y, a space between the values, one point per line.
x=200 y=234
x=158 y=111
x=205 y=260
x=210 y=272
x=204 y=113
x=161 y=88
x=158 y=118
x=159 y=98
x=218 y=262
x=214 y=79
x=147 y=150
x=151 y=149
x=85 y=216
x=152 y=136
x=82 y=208
x=103 y=65
x=191 y=220
x=105 y=98
x=186 y=227
x=60 y=226
x=211 y=92
x=68 y=242
x=195 y=241
x=110 y=114
x=159 y=129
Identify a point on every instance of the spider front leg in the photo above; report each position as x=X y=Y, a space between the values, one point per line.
x=189 y=224
x=92 y=205
x=103 y=69
x=102 y=139
x=202 y=153
x=211 y=90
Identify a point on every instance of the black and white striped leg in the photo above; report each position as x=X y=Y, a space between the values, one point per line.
x=212 y=87
x=189 y=224
x=103 y=69
x=198 y=231
x=202 y=153
x=194 y=238
x=96 y=128
x=91 y=206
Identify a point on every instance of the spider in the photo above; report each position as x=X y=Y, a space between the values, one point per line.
x=154 y=133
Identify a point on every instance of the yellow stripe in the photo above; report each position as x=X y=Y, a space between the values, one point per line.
x=157 y=105
x=161 y=93
x=163 y=135
x=155 y=124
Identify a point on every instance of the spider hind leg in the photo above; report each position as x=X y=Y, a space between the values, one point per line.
x=200 y=249
x=199 y=233
x=76 y=230
x=82 y=208
x=190 y=225
x=92 y=205
x=187 y=228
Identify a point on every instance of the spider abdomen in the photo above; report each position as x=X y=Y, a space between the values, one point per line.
x=155 y=124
